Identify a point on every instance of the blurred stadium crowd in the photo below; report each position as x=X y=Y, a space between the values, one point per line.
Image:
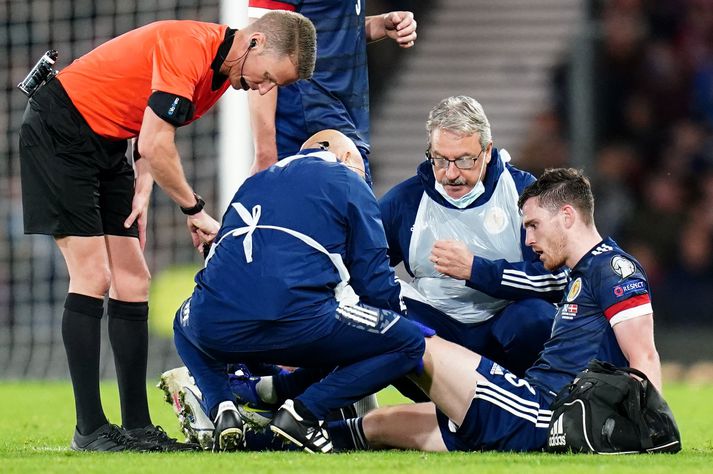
x=653 y=132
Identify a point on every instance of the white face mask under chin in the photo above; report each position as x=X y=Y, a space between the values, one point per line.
x=468 y=198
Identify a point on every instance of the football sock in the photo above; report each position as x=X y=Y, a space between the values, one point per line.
x=303 y=411
x=365 y=405
x=81 y=335
x=293 y=384
x=129 y=336
x=347 y=435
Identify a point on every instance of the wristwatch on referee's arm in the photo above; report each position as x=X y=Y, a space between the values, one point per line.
x=198 y=207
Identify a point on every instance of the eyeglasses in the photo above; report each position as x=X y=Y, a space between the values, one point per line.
x=463 y=163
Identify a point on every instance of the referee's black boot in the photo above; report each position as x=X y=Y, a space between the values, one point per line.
x=228 y=434
x=155 y=435
x=109 y=437
x=310 y=435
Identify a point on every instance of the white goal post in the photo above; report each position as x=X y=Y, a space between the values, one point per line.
x=235 y=149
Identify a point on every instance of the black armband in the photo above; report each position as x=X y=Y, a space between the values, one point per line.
x=172 y=108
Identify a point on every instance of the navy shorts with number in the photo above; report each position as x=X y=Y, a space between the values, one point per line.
x=506 y=414
x=74 y=182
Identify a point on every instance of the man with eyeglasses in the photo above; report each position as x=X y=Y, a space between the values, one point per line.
x=458 y=231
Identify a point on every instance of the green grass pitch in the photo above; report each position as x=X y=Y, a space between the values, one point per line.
x=36 y=422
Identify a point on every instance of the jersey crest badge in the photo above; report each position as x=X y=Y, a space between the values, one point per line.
x=495 y=220
x=574 y=290
x=622 y=266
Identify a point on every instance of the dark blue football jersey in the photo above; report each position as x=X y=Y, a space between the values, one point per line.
x=607 y=286
x=337 y=95
x=286 y=280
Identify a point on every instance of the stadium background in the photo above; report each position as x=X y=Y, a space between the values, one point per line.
x=622 y=88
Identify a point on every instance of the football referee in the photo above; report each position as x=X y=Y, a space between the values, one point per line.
x=78 y=186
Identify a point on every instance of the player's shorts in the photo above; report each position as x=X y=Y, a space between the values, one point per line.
x=506 y=414
x=74 y=182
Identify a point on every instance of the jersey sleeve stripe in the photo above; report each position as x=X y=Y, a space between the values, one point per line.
x=630 y=306
x=533 y=282
x=558 y=277
x=529 y=287
x=631 y=314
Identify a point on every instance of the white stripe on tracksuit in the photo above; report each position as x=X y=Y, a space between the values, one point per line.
x=541 y=283
x=358 y=316
x=525 y=409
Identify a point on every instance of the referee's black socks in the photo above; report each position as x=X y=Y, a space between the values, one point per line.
x=129 y=336
x=81 y=335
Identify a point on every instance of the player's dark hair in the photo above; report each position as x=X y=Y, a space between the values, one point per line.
x=560 y=186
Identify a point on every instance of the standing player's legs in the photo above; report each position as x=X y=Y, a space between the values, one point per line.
x=65 y=167
x=127 y=310
x=127 y=307
x=59 y=188
x=88 y=266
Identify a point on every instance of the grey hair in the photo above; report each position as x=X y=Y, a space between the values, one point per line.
x=462 y=115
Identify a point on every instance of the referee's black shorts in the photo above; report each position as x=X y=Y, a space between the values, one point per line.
x=74 y=182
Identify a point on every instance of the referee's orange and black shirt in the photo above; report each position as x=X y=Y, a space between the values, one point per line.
x=111 y=85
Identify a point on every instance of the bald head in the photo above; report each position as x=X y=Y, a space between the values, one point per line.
x=336 y=142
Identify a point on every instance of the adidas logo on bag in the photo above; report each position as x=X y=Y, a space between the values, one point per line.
x=557 y=434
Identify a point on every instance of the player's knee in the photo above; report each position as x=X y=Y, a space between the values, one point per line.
x=132 y=286
x=91 y=280
x=376 y=424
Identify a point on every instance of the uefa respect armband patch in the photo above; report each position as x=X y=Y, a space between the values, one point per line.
x=172 y=108
x=629 y=288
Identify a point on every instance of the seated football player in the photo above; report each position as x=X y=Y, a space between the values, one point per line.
x=480 y=405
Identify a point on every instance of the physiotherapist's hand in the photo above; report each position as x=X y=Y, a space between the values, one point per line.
x=203 y=229
x=400 y=27
x=452 y=258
